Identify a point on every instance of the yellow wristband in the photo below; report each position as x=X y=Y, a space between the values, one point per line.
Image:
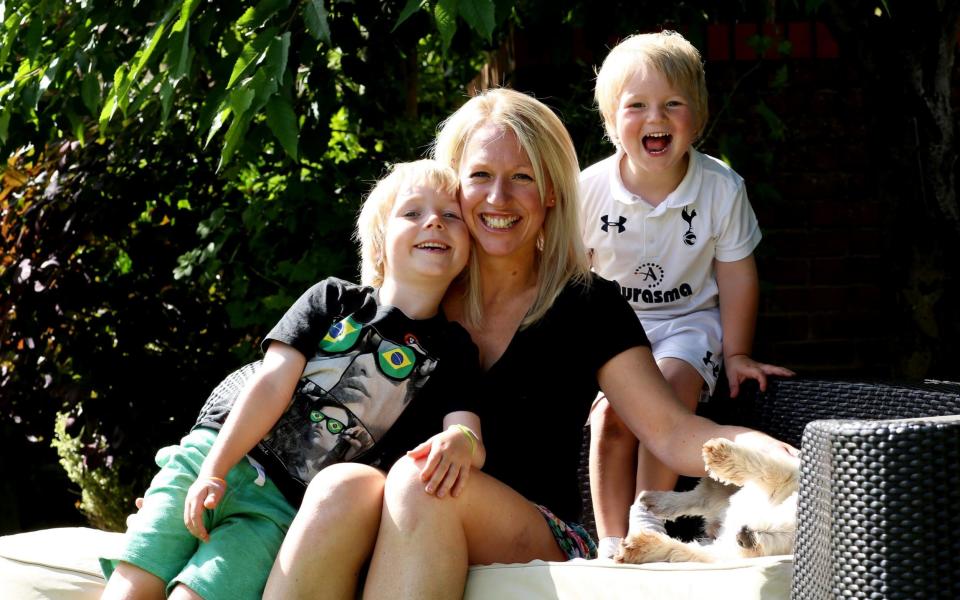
x=470 y=436
x=220 y=479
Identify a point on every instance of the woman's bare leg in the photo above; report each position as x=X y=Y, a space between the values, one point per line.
x=331 y=537
x=129 y=582
x=426 y=543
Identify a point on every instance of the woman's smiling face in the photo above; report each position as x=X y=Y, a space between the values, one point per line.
x=499 y=195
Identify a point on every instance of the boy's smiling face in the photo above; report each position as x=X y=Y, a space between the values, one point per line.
x=425 y=235
x=656 y=125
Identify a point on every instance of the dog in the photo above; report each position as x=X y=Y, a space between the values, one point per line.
x=748 y=503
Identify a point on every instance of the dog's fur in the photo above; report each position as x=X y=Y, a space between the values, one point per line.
x=748 y=503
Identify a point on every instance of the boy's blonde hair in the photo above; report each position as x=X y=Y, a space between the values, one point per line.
x=561 y=255
x=669 y=53
x=375 y=212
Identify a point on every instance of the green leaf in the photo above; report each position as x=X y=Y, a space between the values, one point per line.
x=221 y=117
x=29 y=96
x=277 y=55
x=236 y=104
x=4 y=125
x=263 y=87
x=251 y=54
x=212 y=105
x=90 y=92
x=266 y=81
x=34 y=37
x=282 y=121
x=445 y=17
x=240 y=99
x=144 y=55
x=178 y=52
x=780 y=78
x=315 y=17
x=255 y=17
x=211 y=224
x=109 y=107
x=11 y=27
x=408 y=10
x=479 y=15
x=120 y=89
x=186 y=10
x=76 y=126
x=123 y=85
x=774 y=123
x=49 y=74
x=238 y=128
x=166 y=99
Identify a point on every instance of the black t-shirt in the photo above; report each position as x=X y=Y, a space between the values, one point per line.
x=537 y=396
x=376 y=383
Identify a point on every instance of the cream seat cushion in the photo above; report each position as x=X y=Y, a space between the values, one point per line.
x=61 y=564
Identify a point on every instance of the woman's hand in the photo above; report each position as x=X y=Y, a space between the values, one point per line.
x=449 y=456
x=762 y=441
x=205 y=493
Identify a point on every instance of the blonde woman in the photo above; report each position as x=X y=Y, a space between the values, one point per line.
x=550 y=335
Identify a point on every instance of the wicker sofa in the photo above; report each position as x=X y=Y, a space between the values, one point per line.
x=878 y=518
x=879 y=505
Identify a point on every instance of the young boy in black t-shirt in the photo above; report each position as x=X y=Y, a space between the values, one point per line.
x=350 y=373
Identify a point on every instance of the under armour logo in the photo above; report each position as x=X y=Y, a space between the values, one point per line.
x=619 y=224
x=689 y=237
x=709 y=362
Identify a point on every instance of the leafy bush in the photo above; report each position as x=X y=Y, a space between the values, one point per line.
x=140 y=263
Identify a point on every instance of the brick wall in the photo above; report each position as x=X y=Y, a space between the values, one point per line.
x=827 y=297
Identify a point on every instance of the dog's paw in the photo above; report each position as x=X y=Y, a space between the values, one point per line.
x=643 y=547
x=720 y=458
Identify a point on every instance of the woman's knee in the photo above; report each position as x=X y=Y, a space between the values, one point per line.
x=403 y=481
x=345 y=488
x=405 y=498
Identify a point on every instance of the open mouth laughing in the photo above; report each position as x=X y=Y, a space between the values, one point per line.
x=657 y=143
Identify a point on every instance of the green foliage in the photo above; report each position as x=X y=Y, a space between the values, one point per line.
x=104 y=499
x=180 y=172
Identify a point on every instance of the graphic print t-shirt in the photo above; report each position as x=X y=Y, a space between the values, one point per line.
x=376 y=383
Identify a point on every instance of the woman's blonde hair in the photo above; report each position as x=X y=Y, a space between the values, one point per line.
x=561 y=257
x=375 y=212
x=669 y=53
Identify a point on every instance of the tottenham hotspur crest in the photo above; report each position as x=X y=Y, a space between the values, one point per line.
x=689 y=237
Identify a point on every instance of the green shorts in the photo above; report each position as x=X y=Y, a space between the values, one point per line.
x=246 y=528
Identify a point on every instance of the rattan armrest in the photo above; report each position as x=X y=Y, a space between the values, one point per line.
x=878 y=510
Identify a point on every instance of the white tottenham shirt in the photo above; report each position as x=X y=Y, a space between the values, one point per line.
x=662 y=256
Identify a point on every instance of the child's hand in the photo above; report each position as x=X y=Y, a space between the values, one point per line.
x=206 y=492
x=741 y=367
x=132 y=516
x=449 y=456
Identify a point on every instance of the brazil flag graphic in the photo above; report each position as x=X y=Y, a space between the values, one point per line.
x=395 y=361
x=341 y=336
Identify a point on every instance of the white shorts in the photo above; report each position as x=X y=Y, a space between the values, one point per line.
x=694 y=338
